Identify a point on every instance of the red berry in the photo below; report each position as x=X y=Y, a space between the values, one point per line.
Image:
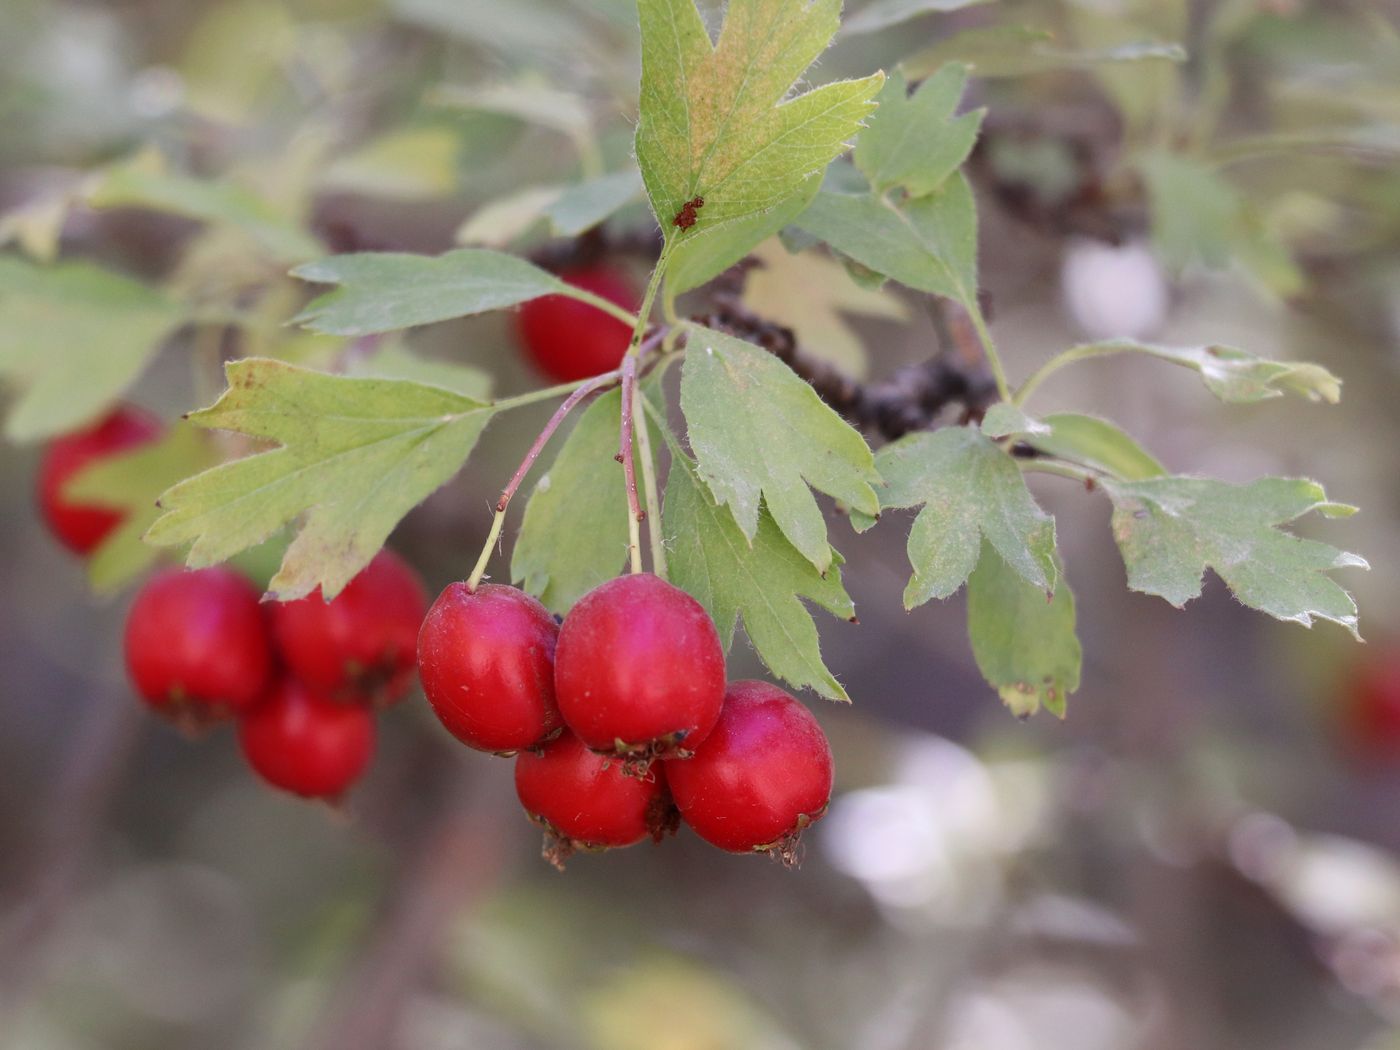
x=568 y=339
x=81 y=527
x=486 y=660
x=585 y=801
x=364 y=642
x=1374 y=708
x=763 y=774
x=306 y=743
x=639 y=669
x=197 y=646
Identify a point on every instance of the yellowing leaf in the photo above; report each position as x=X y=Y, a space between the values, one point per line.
x=811 y=294
x=716 y=121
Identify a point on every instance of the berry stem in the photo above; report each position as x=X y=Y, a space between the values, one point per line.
x=649 y=486
x=635 y=514
x=498 y=520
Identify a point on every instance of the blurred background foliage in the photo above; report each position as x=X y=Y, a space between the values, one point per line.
x=1205 y=855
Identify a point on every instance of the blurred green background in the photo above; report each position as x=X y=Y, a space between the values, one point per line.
x=1205 y=854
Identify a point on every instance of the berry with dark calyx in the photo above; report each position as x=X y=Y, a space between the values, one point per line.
x=78 y=526
x=362 y=644
x=762 y=775
x=570 y=340
x=304 y=742
x=197 y=645
x=583 y=799
x=486 y=661
x=639 y=670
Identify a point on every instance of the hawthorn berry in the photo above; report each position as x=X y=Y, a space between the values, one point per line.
x=486 y=661
x=81 y=527
x=762 y=775
x=1373 y=707
x=364 y=642
x=569 y=340
x=197 y=645
x=639 y=669
x=307 y=743
x=584 y=800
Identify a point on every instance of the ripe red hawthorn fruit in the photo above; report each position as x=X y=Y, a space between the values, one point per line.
x=569 y=340
x=364 y=643
x=1373 y=707
x=304 y=742
x=639 y=669
x=197 y=645
x=583 y=800
x=486 y=661
x=82 y=527
x=762 y=775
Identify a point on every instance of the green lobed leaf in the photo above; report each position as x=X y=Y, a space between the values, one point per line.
x=914 y=142
x=1231 y=374
x=970 y=490
x=762 y=579
x=758 y=431
x=929 y=243
x=353 y=457
x=1004 y=419
x=1096 y=443
x=1171 y=529
x=574 y=533
x=716 y=118
x=1025 y=646
x=73 y=337
x=131 y=482
x=881 y=14
x=386 y=291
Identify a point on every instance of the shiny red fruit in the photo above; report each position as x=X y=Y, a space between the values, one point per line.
x=486 y=661
x=763 y=774
x=364 y=643
x=1373 y=711
x=585 y=801
x=307 y=743
x=639 y=668
x=197 y=645
x=569 y=340
x=81 y=527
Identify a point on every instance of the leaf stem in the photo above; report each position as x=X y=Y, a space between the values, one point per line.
x=1066 y=357
x=989 y=346
x=1059 y=469
x=580 y=391
x=608 y=307
x=635 y=514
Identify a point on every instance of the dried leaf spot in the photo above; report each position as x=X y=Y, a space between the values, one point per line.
x=688 y=216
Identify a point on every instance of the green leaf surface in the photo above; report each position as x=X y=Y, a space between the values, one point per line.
x=387 y=291
x=574 y=533
x=592 y=202
x=881 y=14
x=1096 y=443
x=969 y=490
x=758 y=431
x=929 y=244
x=717 y=120
x=1171 y=529
x=1025 y=646
x=73 y=337
x=697 y=260
x=1004 y=419
x=762 y=579
x=915 y=142
x=353 y=457
x=132 y=482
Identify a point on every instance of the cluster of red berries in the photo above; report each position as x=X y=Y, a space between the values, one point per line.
x=303 y=678
x=620 y=720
